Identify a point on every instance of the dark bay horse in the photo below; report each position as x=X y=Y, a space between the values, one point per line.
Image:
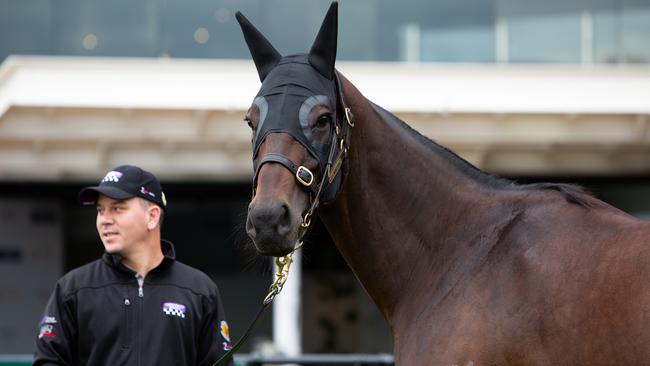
x=466 y=268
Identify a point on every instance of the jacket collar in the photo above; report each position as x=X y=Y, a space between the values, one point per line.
x=115 y=260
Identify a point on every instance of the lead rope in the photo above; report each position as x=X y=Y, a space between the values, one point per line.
x=281 y=276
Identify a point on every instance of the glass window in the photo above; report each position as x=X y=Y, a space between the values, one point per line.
x=606 y=37
x=547 y=38
x=468 y=44
x=26 y=27
x=555 y=31
x=636 y=34
x=106 y=28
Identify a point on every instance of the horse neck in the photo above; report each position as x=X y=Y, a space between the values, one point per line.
x=397 y=221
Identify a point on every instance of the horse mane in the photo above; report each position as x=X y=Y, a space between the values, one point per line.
x=572 y=193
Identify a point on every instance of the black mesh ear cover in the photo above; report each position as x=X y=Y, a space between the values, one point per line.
x=323 y=52
x=264 y=54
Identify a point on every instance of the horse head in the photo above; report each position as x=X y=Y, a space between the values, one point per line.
x=296 y=137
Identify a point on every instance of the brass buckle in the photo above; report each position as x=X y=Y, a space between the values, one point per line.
x=304 y=181
x=306 y=220
x=347 y=117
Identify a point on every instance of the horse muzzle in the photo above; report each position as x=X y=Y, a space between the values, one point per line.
x=272 y=227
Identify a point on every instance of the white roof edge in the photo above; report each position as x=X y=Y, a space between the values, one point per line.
x=208 y=84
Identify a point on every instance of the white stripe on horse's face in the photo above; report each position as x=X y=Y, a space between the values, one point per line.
x=309 y=119
x=263 y=108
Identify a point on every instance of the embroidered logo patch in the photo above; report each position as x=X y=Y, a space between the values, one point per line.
x=112 y=176
x=226 y=346
x=48 y=320
x=225 y=330
x=174 y=309
x=47 y=327
x=47 y=331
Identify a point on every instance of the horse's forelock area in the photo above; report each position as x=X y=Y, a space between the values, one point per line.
x=571 y=193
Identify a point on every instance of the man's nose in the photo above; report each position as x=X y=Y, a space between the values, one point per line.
x=105 y=218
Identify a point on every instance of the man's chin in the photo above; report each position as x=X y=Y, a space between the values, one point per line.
x=112 y=248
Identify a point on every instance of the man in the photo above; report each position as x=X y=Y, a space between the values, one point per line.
x=136 y=305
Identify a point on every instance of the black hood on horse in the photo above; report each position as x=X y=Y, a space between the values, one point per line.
x=288 y=94
x=293 y=86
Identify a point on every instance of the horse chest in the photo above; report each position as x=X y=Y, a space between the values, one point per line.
x=466 y=329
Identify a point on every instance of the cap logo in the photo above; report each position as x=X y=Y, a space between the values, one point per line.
x=112 y=176
x=147 y=192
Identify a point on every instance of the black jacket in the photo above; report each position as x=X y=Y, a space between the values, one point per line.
x=99 y=315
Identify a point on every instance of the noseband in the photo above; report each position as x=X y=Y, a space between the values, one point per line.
x=331 y=181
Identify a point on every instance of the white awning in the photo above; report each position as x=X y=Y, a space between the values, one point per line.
x=65 y=118
x=230 y=85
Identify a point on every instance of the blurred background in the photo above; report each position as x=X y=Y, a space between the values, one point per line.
x=530 y=90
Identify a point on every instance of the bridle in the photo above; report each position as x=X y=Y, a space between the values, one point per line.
x=331 y=182
x=341 y=131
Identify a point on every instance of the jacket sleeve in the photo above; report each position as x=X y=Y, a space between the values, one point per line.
x=56 y=337
x=214 y=340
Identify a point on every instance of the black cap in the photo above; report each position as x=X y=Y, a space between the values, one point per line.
x=124 y=182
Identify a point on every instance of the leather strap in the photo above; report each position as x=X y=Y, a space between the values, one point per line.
x=299 y=172
x=226 y=357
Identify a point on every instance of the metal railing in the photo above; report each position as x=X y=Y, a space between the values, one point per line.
x=255 y=360
x=316 y=359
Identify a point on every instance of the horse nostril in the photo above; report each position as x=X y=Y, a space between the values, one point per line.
x=269 y=220
x=284 y=220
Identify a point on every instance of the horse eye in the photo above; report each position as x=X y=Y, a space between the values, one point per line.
x=323 y=121
x=248 y=122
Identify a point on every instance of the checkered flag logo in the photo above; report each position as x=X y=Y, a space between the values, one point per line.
x=112 y=176
x=174 y=309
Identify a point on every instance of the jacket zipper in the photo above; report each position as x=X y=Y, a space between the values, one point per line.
x=140 y=284
x=140 y=281
x=141 y=322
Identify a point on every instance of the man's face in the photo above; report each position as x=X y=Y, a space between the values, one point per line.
x=121 y=224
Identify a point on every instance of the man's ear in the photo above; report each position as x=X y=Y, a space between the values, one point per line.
x=153 y=217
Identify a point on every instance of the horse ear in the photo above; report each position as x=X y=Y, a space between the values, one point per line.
x=264 y=54
x=323 y=52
